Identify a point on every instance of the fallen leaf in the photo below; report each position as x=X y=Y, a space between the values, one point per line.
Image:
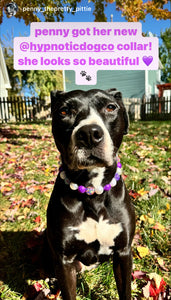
x=159 y=227
x=145 y=218
x=137 y=238
x=166 y=180
x=37 y=286
x=138 y=275
x=157 y=284
x=142 y=192
x=167 y=206
x=133 y=169
x=143 y=251
x=161 y=212
x=37 y=220
x=154 y=186
x=162 y=263
x=146 y=290
x=134 y=194
x=28 y=203
x=152 y=192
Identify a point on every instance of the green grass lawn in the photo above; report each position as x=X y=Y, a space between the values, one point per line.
x=28 y=168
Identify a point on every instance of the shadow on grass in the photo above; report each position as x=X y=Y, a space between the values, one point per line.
x=17 y=138
x=23 y=255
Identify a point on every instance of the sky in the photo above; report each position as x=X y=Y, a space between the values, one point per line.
x=150 y=23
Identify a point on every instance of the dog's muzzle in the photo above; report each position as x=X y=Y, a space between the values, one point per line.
x=89 y=136
x=90 y=146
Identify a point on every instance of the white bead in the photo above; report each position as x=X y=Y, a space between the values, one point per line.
x=63 y=175
x=119 y=171
x=73 y=186
x=113 y=182
x=99 y=190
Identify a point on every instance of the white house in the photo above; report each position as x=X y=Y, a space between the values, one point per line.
x=4 y=86
x=4 y=78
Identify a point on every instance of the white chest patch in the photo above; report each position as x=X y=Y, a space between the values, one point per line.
x=105 y=233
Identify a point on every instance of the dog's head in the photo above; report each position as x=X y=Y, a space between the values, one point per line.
x=88 y=127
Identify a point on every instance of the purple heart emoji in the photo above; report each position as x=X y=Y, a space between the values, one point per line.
x=147 y=60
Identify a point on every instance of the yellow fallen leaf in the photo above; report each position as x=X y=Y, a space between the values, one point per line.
x=160 y=261
x=143 y=251
x=47 y=194
x=168 y=206
x=142 y=192
x=145 y=218
x=26 y=211
x=161 y=212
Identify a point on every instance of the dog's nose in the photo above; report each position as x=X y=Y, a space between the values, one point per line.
x=89 y=135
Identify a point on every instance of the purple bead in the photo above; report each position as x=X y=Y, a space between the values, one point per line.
x=82 y=189
x=60 y=169
x=107 y=187
x=119 y=165
x=117 y=176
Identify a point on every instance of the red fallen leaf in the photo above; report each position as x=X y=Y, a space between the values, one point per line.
x=159 y=227
x=37 y=286
x=37 y=220
x=23 y=184
x=153 y=186
x=155 y=286
x=134 y=194
x=15 y=204
x=154 y=291
x=41 y=188
x=28 y=203
x=124 y=176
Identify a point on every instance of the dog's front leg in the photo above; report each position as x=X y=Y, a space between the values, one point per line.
x=122 y=267
x=66 y=275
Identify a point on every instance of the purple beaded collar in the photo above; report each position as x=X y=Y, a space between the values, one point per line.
x=90 y=190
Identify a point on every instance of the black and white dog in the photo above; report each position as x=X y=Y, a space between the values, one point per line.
x=90 y=217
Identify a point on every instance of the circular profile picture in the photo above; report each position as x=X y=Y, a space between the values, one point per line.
x=11 y=9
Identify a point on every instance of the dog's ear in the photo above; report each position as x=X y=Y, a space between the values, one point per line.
x=115 y=93
x=118 y=96
x=126 y=119
x=54 y=97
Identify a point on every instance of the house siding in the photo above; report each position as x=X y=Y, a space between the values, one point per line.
x=153 y=80
x=130 y=83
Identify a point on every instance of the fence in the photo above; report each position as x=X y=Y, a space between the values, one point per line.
x=17 y=109
x=133 y=107
x=156 y=109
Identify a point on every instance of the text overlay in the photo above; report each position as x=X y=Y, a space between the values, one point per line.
x=86 y=48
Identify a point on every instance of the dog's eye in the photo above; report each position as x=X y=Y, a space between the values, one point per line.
x=111 y=107
x=64 y=111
